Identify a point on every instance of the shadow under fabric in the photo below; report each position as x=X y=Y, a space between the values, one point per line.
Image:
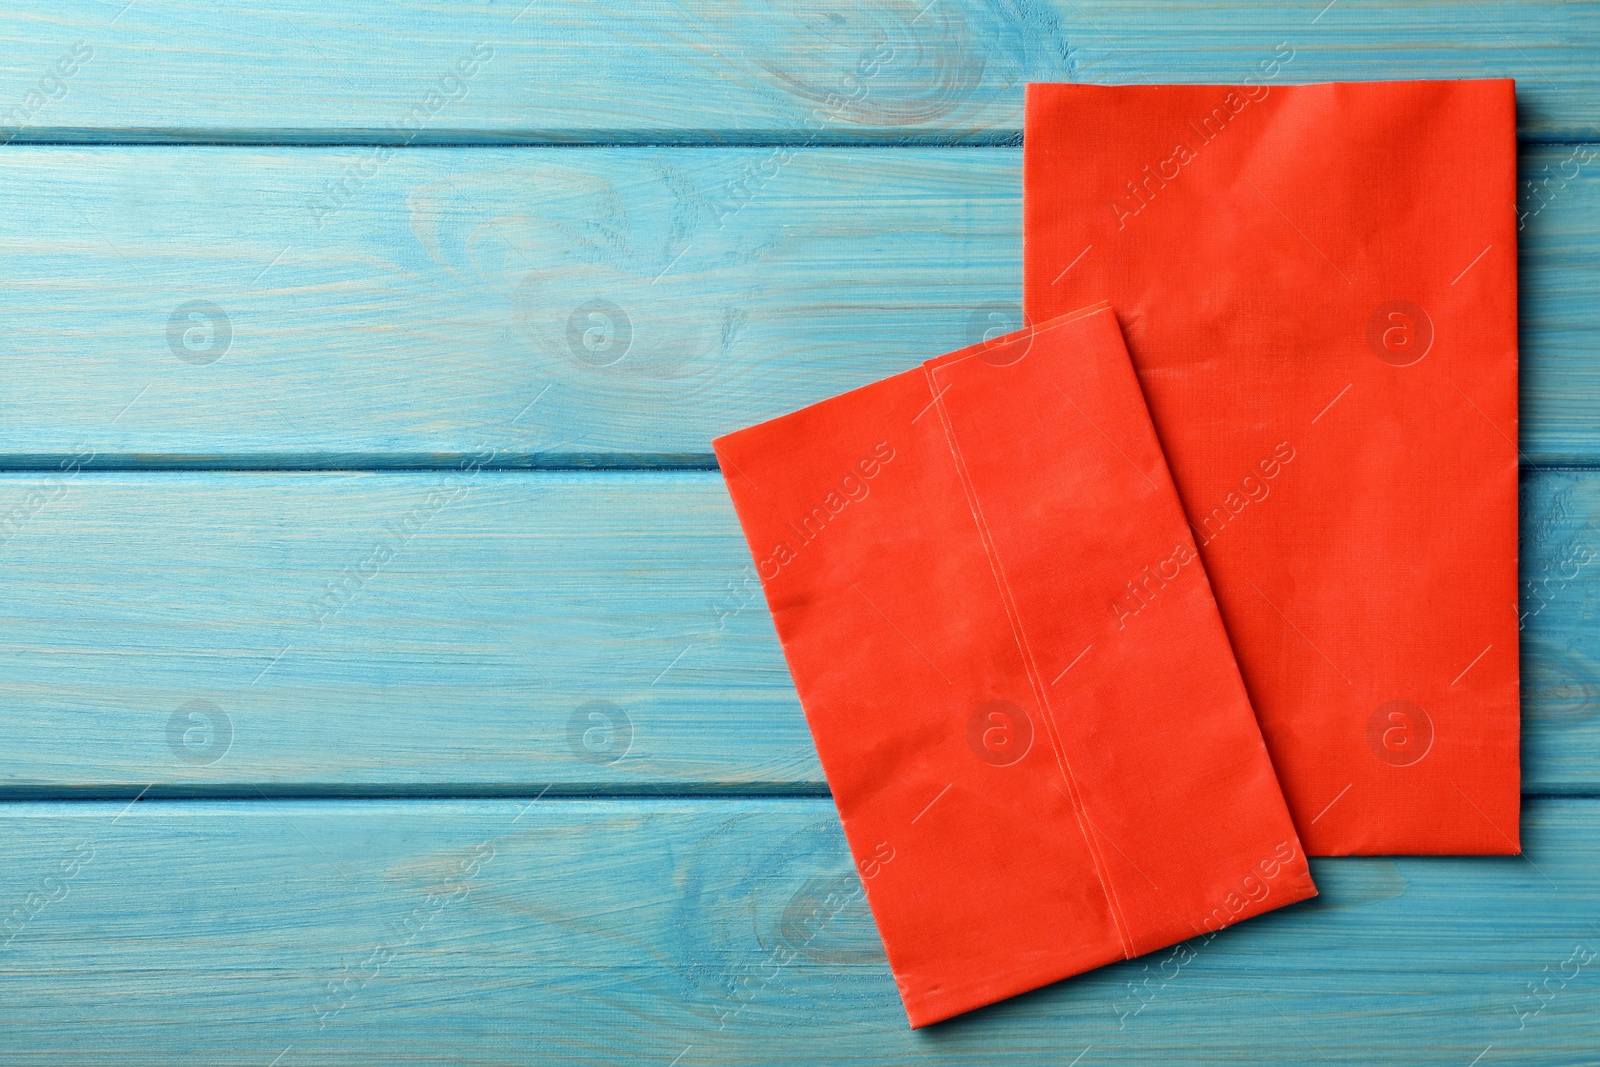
x=1318 y=286
x=1031 y=786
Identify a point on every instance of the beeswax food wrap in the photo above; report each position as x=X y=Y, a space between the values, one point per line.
x=1318 y=284
x=1031 y=785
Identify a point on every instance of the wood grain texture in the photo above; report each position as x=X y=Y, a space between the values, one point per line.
x=892 y=71
x=361 y=633
x=649 y=298
x=441 y=632
x=533 y=636
x=1560 y=549
x=717 y=932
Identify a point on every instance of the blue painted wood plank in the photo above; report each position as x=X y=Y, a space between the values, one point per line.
x=447 y=632
x=460 y=633
x=1560 y=602
x=209 y=307
x=716 y=932
x=891 y=71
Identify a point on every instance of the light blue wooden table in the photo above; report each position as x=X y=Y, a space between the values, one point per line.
x=384 y=679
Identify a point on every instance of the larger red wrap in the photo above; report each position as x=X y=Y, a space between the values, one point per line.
x=1318 y=286
x=1032 y=782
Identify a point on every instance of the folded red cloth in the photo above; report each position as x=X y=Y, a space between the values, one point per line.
x=1319 y=289
x=1032 y=783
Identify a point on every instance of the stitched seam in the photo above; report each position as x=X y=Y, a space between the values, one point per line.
x=1034 y=679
